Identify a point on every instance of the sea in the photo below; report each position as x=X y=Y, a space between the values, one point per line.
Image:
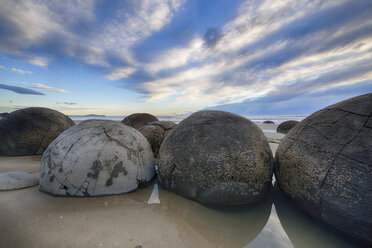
x=277 y=119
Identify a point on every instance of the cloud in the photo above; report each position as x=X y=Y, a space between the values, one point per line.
x=93 y=32
x=48 y=88
x=252 y=50
x=66 y=103
x=121 y=73
x=2 y=67
x=304 y=45
x=20 y=90
x=20 y=71
x=39 y=61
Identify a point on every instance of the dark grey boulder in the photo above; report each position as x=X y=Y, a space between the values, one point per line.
x=4 y=114
x=216 y=158
x=96 y=157
x=138 y=120
x=29 y=131
x=269 y=122
x=325 y=166
x=155 y=132
x=286 y=126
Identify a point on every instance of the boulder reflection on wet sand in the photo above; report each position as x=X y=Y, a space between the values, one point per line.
x=227 y=228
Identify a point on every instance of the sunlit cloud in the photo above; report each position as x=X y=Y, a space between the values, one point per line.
x=39 y=61
x=121 y=73
x=48 y=88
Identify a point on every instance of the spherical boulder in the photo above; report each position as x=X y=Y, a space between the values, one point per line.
x=325 y=166
x=286 y=126
x=155 y=132
x=216 y=158
x=96 y=157
x=269 y=122
x=29 y=131
x=138 y=120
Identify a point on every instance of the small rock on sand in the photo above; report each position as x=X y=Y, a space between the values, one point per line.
x=17 y=180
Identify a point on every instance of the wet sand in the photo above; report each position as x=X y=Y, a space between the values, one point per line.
x=29 y=218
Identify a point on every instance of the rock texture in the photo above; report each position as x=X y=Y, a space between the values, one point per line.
x=96 y=157
x=138 y=120
x=286 y=126
x=29 y=131
x=155 y=132
x=325 y=166
x=17 y=180
x=216 y=158
x=269 y=122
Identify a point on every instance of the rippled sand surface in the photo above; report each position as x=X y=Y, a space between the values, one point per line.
x=151 y=217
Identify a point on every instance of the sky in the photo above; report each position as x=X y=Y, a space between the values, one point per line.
x=175 y=57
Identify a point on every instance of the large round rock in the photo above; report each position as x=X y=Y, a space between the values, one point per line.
x=325 y=165
x=216 y=158
x=286 y=126
x=138 y=120
x=29 y=131
x=96 y=157
x=155 y=132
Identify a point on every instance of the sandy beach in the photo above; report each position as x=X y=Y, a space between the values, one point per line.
x=150 y=217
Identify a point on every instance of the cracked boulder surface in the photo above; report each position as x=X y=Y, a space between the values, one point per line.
x=29 y=131
x=286 y=126
x=216 y=158
x=324 y=165
x=155 y=132
x=138 y=120
x=96 y=157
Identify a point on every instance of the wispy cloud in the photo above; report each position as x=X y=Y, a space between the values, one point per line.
x=48 y=88
x=20 y=71
x=20 y=90
x=66 y=103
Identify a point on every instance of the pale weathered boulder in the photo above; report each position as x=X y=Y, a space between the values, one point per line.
x=286 y=126
x=96 y=157
x=138 y=120
x=325 y=166
x=216 y=158
x=29 y=131
x=17 y=180
x=155 y=132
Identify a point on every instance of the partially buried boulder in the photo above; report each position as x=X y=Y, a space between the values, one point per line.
x=269 y=122
x=155 y=132
x=96 y=157
x=216 y=158
x=17 y=180
x=138 y=120
x=29 y=131
x=325 y=166
x=286 y=126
